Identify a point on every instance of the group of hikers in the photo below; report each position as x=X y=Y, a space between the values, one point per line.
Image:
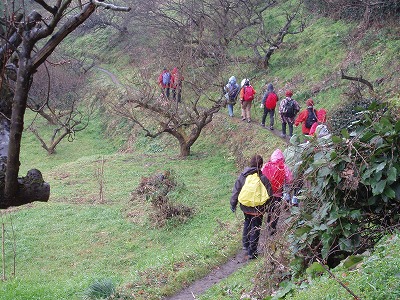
x=171 y=81
x=262 y=187
x=288 y=109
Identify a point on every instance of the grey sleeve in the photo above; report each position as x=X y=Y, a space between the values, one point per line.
x=236 y=190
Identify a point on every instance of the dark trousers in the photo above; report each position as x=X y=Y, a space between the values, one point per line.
x=165 y=92
x=271 y=113
x=273 y=212
x=177 y=92
x=290 y=128
x=251 y=232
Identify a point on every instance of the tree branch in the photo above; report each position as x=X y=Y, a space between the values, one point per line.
x=358 y=79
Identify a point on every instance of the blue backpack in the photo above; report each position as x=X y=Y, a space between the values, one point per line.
x=166 y=78
x=233 y=90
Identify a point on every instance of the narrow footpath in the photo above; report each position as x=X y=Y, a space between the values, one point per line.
x=215 y=276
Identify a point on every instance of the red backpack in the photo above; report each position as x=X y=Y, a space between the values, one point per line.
x=248 y=93
x=271 y=100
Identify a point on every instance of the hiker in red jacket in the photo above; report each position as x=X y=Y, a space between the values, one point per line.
x=176 y=84
x=246 y=97
x=268 y=102
x=307 y=117
x=164 y=80
x=279 y=175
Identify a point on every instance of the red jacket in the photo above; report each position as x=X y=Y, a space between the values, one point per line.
x=301 y=118
x=277 y=172
x=176 y=78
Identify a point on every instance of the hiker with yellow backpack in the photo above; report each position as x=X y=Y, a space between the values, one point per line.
x=252 y=190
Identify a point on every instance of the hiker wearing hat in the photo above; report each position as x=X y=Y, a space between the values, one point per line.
x=307 y=117
x=288 y=109
x=246 y=96
x=280 y=176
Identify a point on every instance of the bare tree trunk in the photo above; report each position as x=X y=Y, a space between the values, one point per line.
x=184 y=149
x=17 y=126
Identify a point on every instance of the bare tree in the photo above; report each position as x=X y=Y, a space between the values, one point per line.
x=207 y=27
x=269 y=39
x=156 y=115
x=54 y=95
x=27 y=40
x=194 y=36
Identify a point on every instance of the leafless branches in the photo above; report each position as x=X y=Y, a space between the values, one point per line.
x=19 y=46
x=271 y=39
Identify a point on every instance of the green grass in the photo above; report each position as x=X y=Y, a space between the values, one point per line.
x=378 y=277
x=65 y=245
x=73 y=240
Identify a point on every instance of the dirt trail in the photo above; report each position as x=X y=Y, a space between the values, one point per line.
x=114 y=78
x=221 y=272
x=200 y=286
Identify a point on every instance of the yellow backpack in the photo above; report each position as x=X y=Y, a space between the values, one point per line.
x=253 y=192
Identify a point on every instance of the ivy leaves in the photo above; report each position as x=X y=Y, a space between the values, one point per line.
x=350 y=187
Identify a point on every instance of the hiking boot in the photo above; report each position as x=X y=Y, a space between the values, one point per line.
x=262 y=125
x=271 y=127
x=283 y=135
x=254 y=255
x=243 y=119
x=248 y=120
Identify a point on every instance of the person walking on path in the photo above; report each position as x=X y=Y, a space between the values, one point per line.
x=268 y=102
x=307 y=117
x=246 y=97
x=279 y=175
x=252 y=190
x=288 y=110
x=176 y=84
x=164 y=80
x=231 y=90
x=321 y=119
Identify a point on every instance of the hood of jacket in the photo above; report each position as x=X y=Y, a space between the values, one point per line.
x=250 y=170
x=270 y=87
x=321 y=115
x=232 y=80
x=277 y=156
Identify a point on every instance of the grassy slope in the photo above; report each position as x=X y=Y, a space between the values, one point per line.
x=64 y=245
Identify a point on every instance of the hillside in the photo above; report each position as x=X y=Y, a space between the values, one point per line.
x=95 y=229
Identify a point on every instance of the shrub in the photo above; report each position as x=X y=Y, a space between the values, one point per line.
x=156 y=189
x=100 y=289
x=350 y=189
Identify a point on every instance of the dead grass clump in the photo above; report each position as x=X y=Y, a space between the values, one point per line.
x=155 y=189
